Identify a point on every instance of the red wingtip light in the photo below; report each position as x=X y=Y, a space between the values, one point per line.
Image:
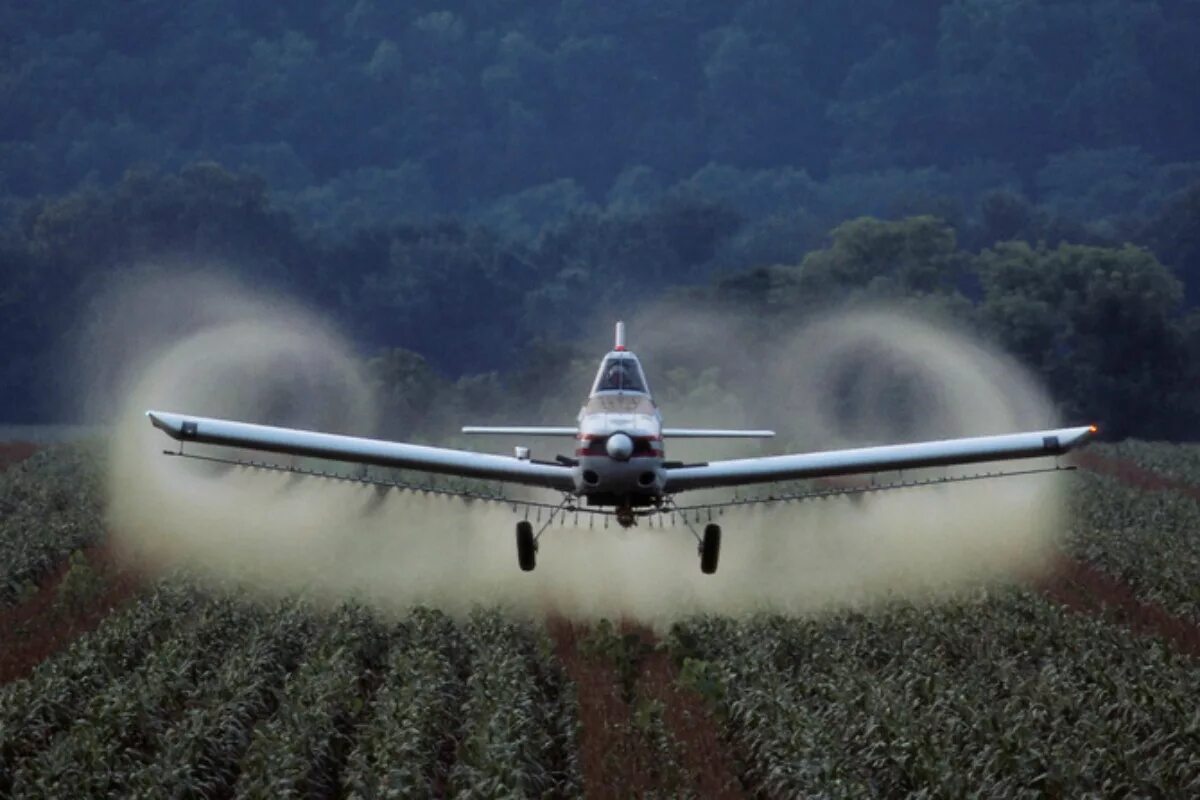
x=1093 y=429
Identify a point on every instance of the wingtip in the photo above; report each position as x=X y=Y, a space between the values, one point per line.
x=161 y=421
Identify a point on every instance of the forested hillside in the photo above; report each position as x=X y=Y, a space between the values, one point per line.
x=369 y=110
x=463 y=178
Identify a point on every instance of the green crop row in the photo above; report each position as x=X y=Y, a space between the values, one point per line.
x=116 y=729
x=517 y=739
x=298 y=751
x=187 y=693
x=50 y=505
x=35 y=710
x=1179 y=462
x=1148 y=540
x=994 y=696
x=411 y=727
x=211 y=693
x=200 y=753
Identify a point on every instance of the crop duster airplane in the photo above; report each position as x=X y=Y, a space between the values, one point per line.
x=620 y=467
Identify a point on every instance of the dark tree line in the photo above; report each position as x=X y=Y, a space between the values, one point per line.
x=458 y=177
x=1103 y=321
x=362 y=111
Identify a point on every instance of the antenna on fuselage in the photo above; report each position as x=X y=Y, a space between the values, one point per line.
x=620 y=345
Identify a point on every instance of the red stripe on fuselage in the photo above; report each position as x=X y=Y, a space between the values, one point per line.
x=591 y=437
x=595 y=446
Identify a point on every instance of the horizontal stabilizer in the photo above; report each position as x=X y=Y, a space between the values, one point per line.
x=522 y=430
x=709 y=433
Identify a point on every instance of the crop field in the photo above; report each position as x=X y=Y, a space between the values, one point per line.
x=122 y=680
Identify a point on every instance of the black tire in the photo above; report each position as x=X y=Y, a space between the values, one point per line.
x=526 y=546
x=710 y=549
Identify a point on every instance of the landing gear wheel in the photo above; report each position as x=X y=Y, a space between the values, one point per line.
x=710 y=548
x=526 y=546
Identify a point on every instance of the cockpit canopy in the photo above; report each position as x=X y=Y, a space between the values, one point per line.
x=620 y=372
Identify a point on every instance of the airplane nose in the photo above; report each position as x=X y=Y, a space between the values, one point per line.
x=619 y=446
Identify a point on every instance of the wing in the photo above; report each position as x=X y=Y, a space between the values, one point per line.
x=876 y=459
x=711 y=433
x=352 y=449
x=522 y=430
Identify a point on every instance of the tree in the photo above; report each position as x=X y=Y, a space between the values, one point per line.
x=917 y=255
x=448 y=291
x=1101 y=325
x=1174 y=235
x=409 y=392
x=599 y=262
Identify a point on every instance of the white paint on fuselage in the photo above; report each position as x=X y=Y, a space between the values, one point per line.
x=608 y=481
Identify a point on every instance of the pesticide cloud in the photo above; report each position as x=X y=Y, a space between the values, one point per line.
x=266 y=362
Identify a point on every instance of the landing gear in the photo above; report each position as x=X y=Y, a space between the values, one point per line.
x=526 y=546
x=710 y=548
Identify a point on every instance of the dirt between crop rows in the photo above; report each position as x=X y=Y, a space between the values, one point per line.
x=15 y=452
x=704 y=755
x=616 y=761
x=40 y=626
x=1131 y=474
x=1086 y=589
x=1083 y=588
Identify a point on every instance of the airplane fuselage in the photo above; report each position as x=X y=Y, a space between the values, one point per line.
x=619 y=447
x=619 y=450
